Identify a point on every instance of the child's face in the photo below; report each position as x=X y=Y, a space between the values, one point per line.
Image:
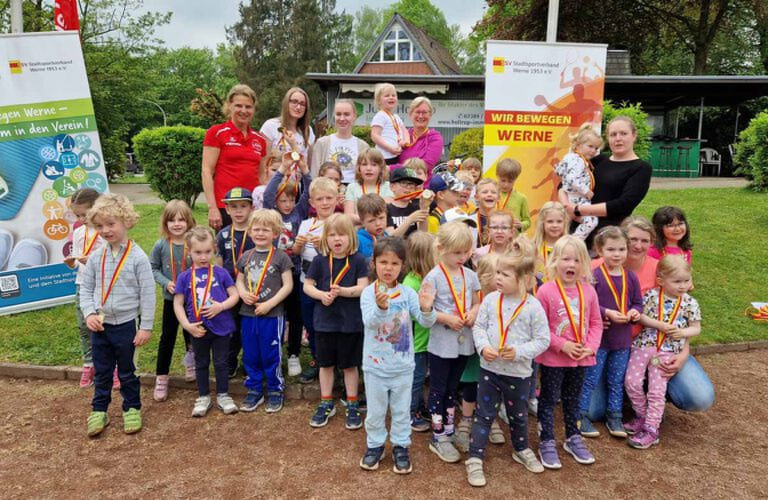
x=177 y=226
x=453 y=260
x=388 y=100
x=506 y=282
x=285 y=203
x=338 y=242
x=202 y=252
x=464 y=196
x=80 y=210
x=369 y=171
x=506 y=184
x=324 y=202
x=675 y=284
x=589 y=148
x=262 y=235
x=487 y=196
x=567 y=268
x=475 y=171
x=448 y=198
x=111 y=229
x=375 y=224
x=420 y=173
x=554 y=225
x=500 y=230
x=333 y=175
x=388 y=267
x=239 y=210
x=614 y=252
x=271 y=169
x=674 y=231
x=402 y=188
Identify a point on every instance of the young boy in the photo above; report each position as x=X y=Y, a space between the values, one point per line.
x=507 y=172
x=446 y=189
x=466 y=195
x=474 y=167
x=264 y=280
x=117 y=286
x=372 y=210
x=403 y=214
x=231 y=242
x=323 y=194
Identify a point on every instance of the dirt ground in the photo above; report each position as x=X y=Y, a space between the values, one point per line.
x=44 y=452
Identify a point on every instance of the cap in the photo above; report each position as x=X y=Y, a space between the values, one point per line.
x=445 y=181
x=457 y=214
x=238 y=194
x=404 y=174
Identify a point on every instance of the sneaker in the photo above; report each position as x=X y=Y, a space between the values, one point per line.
x=418 y=424
x=189 y=366
x=27 y=253
x=86 y=377
x=115 y=381
x=475 y=474
x=309 y=375
x=202 y=405
x=578 y=450
x=274 y=402
x=132 y=421
x=294 y=366
x=461 y=437
x=97 y=421
x=634 y=426
x=225 y=403
x=548 y=455
x=325 y=410
x=497 y=435
x=402 y=460
x=161 y=388
x=528 y=458
x=614 y=425
x=644 y=439
x=587 y=429
x=354 y=420
x=533 y=407
x=372 y=457
x=252 y=401
x=443 y=448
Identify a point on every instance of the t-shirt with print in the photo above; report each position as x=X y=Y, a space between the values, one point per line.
x=252 y=263
x=396 y=216
x=223 y=323
x=312 y=227
x=390 y=125
x=276 y=140
x=688 y=313
x=230 y=252
x=443 y=341
x=343 y=315
x=344 y=153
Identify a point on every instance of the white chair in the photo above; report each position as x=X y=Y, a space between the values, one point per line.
x=709 y=157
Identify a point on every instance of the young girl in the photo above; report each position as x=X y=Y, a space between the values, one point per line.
x=85 y=240
x=388 y=131
x=486 y=197
x=450 y=339
x=620 y=299
x=420 y=260
x=466 y=195
x=673 y=236
x=370 y=177
x=203 y=297
x=575 y=170
x=258 y=192
x=511 y=329
x=501 y=232
x=332 y=171
x=575 y=327
x=670 y=316
x=335 y=280
x=388 y=359
x=550 y=227
x=169 y=259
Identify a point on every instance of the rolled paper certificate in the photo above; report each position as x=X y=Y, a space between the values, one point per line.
x=426 y=199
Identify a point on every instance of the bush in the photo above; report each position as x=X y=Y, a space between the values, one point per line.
x=468 y=143
x=640 y=117
x=752 y=152
x=171 y=158
x=360 y=131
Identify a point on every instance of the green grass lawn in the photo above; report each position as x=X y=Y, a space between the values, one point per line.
x=130 y=179
x=729 y=228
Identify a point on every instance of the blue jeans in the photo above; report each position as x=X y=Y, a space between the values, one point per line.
x=689 y=390
x=114 y=346
x=419 y=377
x=388 y=393
x=611 y=367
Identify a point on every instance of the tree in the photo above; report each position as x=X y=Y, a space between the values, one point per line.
x=366 y=27
x=424 y=15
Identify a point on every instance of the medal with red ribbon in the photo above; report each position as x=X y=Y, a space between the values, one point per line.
x=661 y=336
x=578 y=330
x=88 y=245
x=235 y=258
x=173 y=261
x=262 y=274
x=116 y=274
x=197 y=306
x=382 y=288
x=504 y=330
x=409 y=196
x=342 y=272
x=461 y=304
x=590 y=171
x=378 y=188
x=619 y=298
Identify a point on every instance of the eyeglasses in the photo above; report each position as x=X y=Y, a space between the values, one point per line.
x=674 y=225
x=499 y=228
x=297 y=103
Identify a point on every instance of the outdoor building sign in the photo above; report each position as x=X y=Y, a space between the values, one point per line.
x=464 y=113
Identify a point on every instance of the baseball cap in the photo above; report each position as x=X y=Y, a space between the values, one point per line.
x=238 y=194
x=445 y=181
x=404 y=174
x=457 y=214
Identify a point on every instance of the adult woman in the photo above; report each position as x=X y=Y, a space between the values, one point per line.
x=689 y=388
x=341 y=147
x=233 y=154
x=425 y=143
x=295 y=115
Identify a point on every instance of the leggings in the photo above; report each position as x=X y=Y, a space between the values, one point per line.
x=567 y=383
x=168 y=339
x=203 y=347
x=444 y=376
x=293 y=316
x=650 y=405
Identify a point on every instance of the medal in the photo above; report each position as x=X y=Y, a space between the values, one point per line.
x=461 y=338
x=295 y=156
x=101 y=317
x=426 y=199
x=173 y=263
x=197 y=307
x=105 y=292
x=660 y=336
x=577 y=331
x=503 y=331
x=655 y=361
x=461 y=304
x=232 y=248
x=621 y=303
x=344 y=270
x=381 y=288
x=263 y=273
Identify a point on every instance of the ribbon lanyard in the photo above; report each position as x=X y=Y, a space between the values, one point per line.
x=395 y=125
x=183 y=260
x=262 y=274
x=504 y=330
x=577 y=332
x=383 y=286
x=590 y=171
x=409 y=196
x=314 y=225
x=116 y=274
x=620 y=303
x=503 y=206
x=341 y=274
x=88 y=245
x=461 y=305
x=661 y=336
x=197 y=308
x=378 y=188
x=545 y=250
x=240 y=252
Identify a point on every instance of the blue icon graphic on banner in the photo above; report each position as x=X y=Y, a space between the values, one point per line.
x=69 y=160
x=63 y=143
x=82 y=141
x=48 y=153
x=53 y=170
x=89 y=159
x=96 y=181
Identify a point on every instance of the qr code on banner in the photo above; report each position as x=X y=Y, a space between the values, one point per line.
x=9 y=283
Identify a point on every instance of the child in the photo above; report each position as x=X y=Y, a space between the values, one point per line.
x=202 y=301
x=322 y=197
x=673 y=237
x=85 y=240
x=169 y=259
x=670 y=316
x=575 y=327
x=419 y=168
x=264 y=281
x=419 y=261
x=620 y=300
x=445 y=188
x=372 y=210
x=388 y=131
x=335 y=280
x=507 y=172
x=510 y=331
x=117 y=288
x=388 y=358
x=466 y=195
x=550 y=227
x=231 y=242
x=501 y=229
x=450 y=339
x=487 y=198
x=370 y=177
x=575 y=170
x=404 y=214
x=474 y=167
x=258 y=192
x=332 y=171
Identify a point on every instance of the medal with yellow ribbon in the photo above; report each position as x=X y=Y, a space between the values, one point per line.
x=262 y=274
x=197 y=307
x=173 y=262
x=378 y=188
x=578 y=330
x=502 y=206
x=116 y=274
x=232 y=245
x=88 y=245
x=461 y=304
x=590 y=171
x=342 y=273
x=661 y=336
x=382 y=288
x=620 y=299
x=504 y=330
x=409 y=196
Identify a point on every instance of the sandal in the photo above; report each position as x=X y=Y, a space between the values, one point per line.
x=97 y=421
x=132 y=421
x=161 y=388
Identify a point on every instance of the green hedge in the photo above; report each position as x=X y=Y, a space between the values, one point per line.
x=751 y=156
x=468 y=143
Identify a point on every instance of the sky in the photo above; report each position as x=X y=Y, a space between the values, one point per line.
x=189 y=28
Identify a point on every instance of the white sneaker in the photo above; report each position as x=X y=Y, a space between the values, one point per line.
x=27 y=253
x=533 y=407
x=6 y=245
x=202 y=405
x=294 y=366
x=225 y=404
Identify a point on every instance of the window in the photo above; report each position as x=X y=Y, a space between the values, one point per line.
x=397 y=47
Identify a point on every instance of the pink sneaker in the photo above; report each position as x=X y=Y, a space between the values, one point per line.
x=86 y=377
x=189 y=366
x=634 y=426
x=161 y=388
x=644 y=439
x=115 y=381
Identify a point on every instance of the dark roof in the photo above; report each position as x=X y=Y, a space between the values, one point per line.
x=437 y=57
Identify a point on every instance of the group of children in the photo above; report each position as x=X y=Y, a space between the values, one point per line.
x=410 y=277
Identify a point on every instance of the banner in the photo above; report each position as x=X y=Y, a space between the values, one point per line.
x=463 y=113
x=49 y=147
x=536 y=95
x=65 y=16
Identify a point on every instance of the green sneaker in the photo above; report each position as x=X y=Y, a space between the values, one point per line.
x=97 y=421
x=132 y=421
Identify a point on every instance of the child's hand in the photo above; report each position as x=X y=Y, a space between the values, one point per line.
x=335 y=291
x=249 y=298
x=455 y=323
x=328 y=298
x=314 y=239
x=70 y=261
x=262 y=308
x=469 y=320
x=402 y=143
x=517 y=225
x=382 y=299
x=416 y=217
x=616 y=317
x=572 y=350
x=171 y=287
x=508 y=353
x=83 y=259
x=634 y=315
x=197 y=329
x=142 y=337
x=93 y=321
x=585 y=353
x=212 y=310
x=303 y=165
x=290 y=138
x=426 y=297
x=489 y=353
x=396 y=150
x=676 y=333
x=589 y=195
x=300 y=241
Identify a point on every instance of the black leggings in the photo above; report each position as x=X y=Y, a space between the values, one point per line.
x=168 y=339
x=444 y=377
x=203 y=347
x=293 y=315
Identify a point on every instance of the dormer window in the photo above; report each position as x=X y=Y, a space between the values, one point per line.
x=397 y=47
